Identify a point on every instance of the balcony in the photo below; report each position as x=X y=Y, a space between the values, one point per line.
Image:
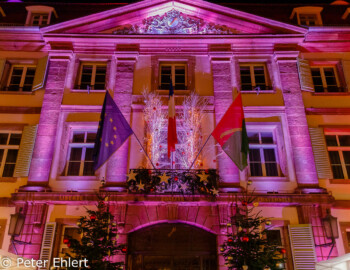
x=186 y=182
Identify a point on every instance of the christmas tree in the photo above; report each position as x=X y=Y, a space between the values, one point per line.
x=99 y=239
x=247 y=245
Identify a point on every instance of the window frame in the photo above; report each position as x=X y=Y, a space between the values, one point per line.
x=94 y=65
x=323 y=78
x=251 y=66
x=308 y=19
x=23 y=78
x=40 y=20
x=173 y=65
x=83 y=145
x=62 y=245
x=340 y=150
x=6 y=148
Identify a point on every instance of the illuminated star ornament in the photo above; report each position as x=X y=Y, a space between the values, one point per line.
x=141 y=186
x=203 y=177
x=215 y=192
x=164 y=178
x=184 y=186
x=131 y=175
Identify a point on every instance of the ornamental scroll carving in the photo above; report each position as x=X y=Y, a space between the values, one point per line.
x=174 y=23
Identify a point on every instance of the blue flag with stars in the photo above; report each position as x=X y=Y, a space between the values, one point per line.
x=113 y=130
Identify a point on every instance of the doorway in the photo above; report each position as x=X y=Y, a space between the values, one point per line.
x=172 y=246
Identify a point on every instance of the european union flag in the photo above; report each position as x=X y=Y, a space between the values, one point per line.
x=113 y=130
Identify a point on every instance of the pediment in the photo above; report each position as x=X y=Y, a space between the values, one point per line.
x=180 y=17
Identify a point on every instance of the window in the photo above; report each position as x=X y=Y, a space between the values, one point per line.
x=274 y=237
x=92 y=77
x=263 y=154
x=177 y=73
x=40 y=19
x=325 y=79
x=9 y=145
x=308 y=19
x=80 y=162
x=338 y=147
x=68 y=231
x=253 y=77
x=21 y=78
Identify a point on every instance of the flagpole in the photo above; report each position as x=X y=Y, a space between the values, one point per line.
x=144 y=151
x=199 y=152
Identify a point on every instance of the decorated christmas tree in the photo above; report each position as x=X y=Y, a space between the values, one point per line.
x=247 y=245
x=98 y=241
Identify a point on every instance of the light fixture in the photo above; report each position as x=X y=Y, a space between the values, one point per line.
x=330 y=225
x=16 y=223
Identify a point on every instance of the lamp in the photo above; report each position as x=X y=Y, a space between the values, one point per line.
x=15 y=228
x=330 y=225
x=16 y=223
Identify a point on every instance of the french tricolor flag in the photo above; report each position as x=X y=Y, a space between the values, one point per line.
x=172 y=136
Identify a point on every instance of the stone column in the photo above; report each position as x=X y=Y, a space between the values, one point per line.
x=223 y=97
x=122 y=95
x=40 y=166
x=303 y=156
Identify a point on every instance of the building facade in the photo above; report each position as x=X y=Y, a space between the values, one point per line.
x=289 y=62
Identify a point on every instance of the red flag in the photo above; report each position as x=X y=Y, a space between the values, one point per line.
x=231 y=134
x=172 y=136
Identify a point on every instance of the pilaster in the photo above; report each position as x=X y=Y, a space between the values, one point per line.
x=223 y=97
x=303 y=157
x=40 y=167
x=122 y=95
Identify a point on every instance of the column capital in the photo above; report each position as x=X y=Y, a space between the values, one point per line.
x=126 y=56
x=61 y=55
x=222 y=57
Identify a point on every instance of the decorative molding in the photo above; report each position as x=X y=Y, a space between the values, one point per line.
x=174 y=23
x=327 y=111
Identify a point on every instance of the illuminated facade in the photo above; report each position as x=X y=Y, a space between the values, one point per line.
x=291 y=64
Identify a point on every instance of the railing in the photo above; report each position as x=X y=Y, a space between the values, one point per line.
x=146 y=181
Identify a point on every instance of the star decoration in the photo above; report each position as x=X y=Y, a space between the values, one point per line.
x=164 y=178
x=141 y=186
x=215 y=192
x=131 y=175
x=184 y=186
x=203 y=177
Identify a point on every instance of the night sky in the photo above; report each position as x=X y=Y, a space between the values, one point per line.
x=304 y=2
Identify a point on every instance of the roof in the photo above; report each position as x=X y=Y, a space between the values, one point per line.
x=16 y=12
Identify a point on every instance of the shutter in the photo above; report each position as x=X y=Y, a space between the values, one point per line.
x=25 y=151
x=47 y=244
x=305 y=77
x=2 y=66
x=303 y=246
x=320 y=153
x=40 y=74
x=344 y=71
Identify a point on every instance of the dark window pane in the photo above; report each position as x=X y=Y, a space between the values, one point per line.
x=274 y=237
x=11 y=155
x=88 y=154
x=266 y=137
x=75 y=154
x=88 y=168
x=344 y=140
x=15 y=139
x=331 y=140
x=91 y=137
x=255 y=169
x=346 y=155
x=78 y=137
x=8 y=170
x=319 y=89
x=271 y=169
x=253 y=137
x=1 y=155
x=3 y=138
x=73 y=168
x=337 y=172
x=316 y=72
x=254 y=155
x=334 y=157
x=269 y=155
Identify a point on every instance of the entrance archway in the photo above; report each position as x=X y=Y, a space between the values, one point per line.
x=171 y=246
